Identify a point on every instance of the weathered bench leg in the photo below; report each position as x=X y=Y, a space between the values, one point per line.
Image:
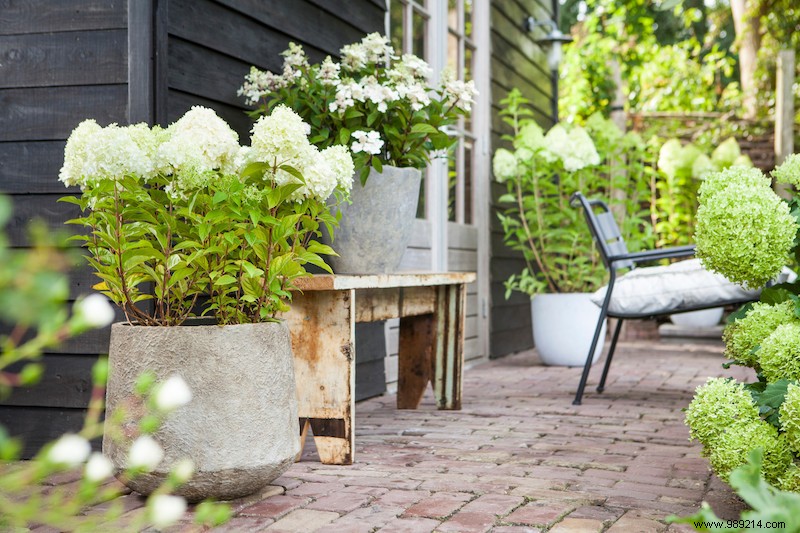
x=322 y=325
x=448 y=354
x=415 y=361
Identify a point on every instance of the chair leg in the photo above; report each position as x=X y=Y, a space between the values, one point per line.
x=602 y=385
x=596 y=338
x=589 y=357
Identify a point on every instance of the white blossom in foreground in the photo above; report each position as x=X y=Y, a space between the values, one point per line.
x=165 y=509
x=367 y=141
x=183 y=470
x=172 y=393
x=95 y=310
x=98 y=467
x=70 y=450
x=145 y=453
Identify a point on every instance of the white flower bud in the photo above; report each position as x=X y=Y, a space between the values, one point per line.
x=145 y=453
x=183 y=470
x=166 y=509
x=95 y=310
x=70 y=450
x=172 y=393
x=98 y=467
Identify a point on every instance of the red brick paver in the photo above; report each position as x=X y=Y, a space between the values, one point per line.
x=518 y=457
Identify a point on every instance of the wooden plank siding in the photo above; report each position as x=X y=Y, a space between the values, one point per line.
x=517 y=61
x=60 y=63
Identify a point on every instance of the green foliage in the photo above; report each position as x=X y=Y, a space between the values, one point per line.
x=768 y=504
x=717 y=405
x=209 y=238
x=33 y=290
x=542 y=173
x=370 y=91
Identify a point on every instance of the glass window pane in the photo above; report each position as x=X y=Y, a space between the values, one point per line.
x=467 y=180
x=421 y=204
x=468 y=18
x=396 y=9
x=453 y=61
x=452 y=15
x=419 y=29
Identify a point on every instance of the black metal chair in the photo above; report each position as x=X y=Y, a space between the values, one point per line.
x=616 y=256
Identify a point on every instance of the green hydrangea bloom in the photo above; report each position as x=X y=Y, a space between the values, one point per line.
x=530 y=136
x=504 y=165
x=718 y=181
x=789 y=171
x=731 y=449
x=602 y=129
x=745 y=233
x=702 y=166
x=790 y=480
x=745 y=334
x=716 y=406
x=670 y=157
x=743 y=161
x=779 y=356
x=726 y=153
x=790 y=417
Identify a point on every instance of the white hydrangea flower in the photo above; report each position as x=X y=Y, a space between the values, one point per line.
x=69 y=450
x=71 y=172
x=459 y=93
x=416 y=93
x=575 y=148
x=504 y=165
x=294 y=56
x=95 y=310
x=367 y=141
x=337 y=158
x=98 y=467
x=279 y=138
x=378 y=47
x=259 y=83
x=354 y=56
x=166 y=509
x=145 y=453
x=93 y=154
x=172 y=393
x=415 y=67
x=329 y=72
x=199 y=142
x=376 y=92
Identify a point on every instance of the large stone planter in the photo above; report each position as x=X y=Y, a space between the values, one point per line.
x=563 y=327
x=377 y=226
x=240 y=429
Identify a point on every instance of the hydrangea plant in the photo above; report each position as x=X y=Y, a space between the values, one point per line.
x=541 y=171
x=747 y=233
x=188 y=220
x=379 y=104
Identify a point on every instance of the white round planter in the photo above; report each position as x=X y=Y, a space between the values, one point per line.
x=563 y=327
x=376 y=227
x=241 y=427
x=705 y=318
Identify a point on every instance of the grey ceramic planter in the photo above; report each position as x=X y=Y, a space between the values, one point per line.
x=377 y=226
x=240 y=428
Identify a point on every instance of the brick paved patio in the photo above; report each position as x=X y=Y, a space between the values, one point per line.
x=517 y=458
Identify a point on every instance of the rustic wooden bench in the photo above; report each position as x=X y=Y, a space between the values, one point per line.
x=431 y=308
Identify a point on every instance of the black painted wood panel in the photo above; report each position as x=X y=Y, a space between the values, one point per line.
x=40 y=425
x=41 y=16
x=66 y=58
x=32 y=167
x=67 y=382
x=51 y=113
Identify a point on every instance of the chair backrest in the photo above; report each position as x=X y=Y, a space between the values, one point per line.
x=604 y=229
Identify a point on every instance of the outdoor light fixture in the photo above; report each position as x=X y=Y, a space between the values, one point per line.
x=552 y=40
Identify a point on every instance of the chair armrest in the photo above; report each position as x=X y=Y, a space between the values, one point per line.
x=654 y=255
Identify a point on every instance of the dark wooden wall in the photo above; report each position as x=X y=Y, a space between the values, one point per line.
x=62 y=61
x=517 y=61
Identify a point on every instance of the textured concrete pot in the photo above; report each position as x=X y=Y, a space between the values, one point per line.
x=563 y=327
x=375 y=229
x=240 y=428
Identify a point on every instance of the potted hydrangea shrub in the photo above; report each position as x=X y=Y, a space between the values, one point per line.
x=748 y=233
x=383 y=107
x=199 y=241
x=562 y=267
